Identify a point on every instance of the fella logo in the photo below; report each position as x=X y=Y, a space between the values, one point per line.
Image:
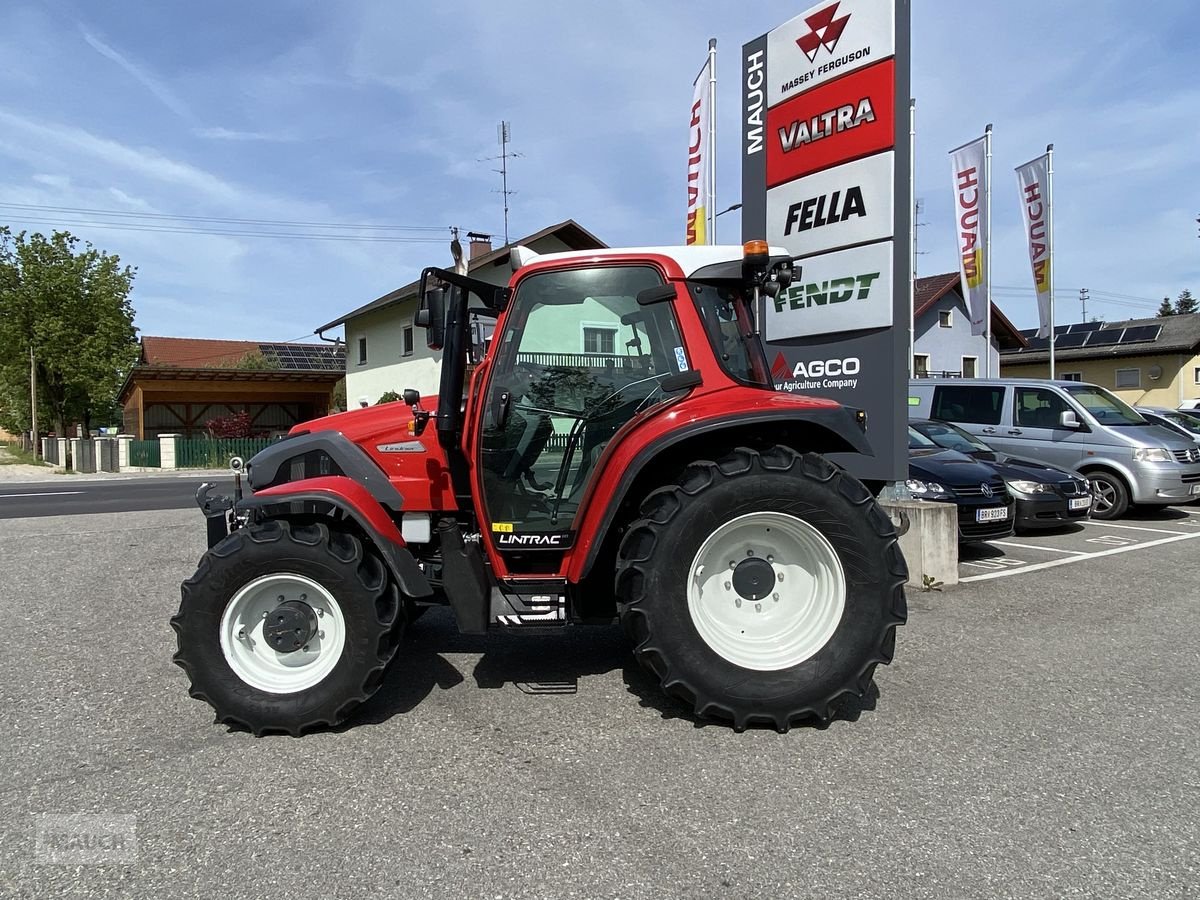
x=826 y=30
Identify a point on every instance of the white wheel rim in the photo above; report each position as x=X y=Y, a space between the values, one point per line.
x=258 y=664
x=794 y=619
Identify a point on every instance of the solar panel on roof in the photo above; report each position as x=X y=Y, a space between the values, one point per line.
x=1061 y=329
x=305 y=357
x=1085 y=326
x=1105 y=338
x=1141 y=333
x=1067 y=341
x=1028 y=332
x=1037 y=343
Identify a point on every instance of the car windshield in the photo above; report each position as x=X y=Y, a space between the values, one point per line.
x=1191 y=423
x=916 y=440
x=952 y=438
x=1106 y=408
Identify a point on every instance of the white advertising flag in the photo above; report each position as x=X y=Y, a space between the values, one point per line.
x=969 y=169
x=698 y=159
x=1033 y=180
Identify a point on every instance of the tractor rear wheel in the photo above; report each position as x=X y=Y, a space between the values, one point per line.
x=287 y=626
x=762 y=588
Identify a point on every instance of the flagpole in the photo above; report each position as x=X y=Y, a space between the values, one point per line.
x=1050 y=238
x=987 y=247
x=912 y=226
x=712 y=140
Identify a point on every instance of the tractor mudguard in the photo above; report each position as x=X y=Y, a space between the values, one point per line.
x=263 y=468
x=838 y=420
x=359 y=504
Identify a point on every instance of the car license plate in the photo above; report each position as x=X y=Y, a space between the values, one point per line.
x=1083 y=502
x=1195 y=489
x=995 y=514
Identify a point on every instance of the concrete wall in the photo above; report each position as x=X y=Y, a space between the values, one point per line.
x=946 y=347
x=387 y=368
x=1178 y=381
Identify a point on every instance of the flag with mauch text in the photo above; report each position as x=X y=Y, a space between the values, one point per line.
x=698 y=150
x=969 y=169
x=1033 y=180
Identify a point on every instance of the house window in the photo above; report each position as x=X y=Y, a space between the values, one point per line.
x=970 y=367
x=362 y=351
x=1196 y=375
x=920 y=365
x=599 y=340
x=408 y=340
x=1128 y=378
x=1071 y=376
x=944 y=320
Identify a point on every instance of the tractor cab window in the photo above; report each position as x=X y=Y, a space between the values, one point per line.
x=577 y=359
x=729 y=321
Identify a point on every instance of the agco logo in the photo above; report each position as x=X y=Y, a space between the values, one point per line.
x=817 y=368
x=836 y=290
x=826 y=31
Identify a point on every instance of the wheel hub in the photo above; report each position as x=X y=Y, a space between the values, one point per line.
x=290 y=626
x=753 y=578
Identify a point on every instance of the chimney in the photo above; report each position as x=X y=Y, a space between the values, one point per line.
x=481 y=244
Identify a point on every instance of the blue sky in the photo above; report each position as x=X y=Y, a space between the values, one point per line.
x=380 y=112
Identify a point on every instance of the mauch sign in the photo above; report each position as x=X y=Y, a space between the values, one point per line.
x=825 y=162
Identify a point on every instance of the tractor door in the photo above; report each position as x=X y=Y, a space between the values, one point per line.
x=578 y=358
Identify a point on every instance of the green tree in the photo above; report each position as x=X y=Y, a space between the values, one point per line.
x=1186 y=303
x=1165 y=308
x=71 y=305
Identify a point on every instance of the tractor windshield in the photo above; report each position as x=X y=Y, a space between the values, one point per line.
x=729 y=321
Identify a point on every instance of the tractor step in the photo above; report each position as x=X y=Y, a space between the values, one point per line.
x=530 y=609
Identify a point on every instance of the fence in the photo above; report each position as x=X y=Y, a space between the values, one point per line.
x=145 y=454
x=215 y=453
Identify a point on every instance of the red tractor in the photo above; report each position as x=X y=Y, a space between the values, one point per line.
x=657 y=479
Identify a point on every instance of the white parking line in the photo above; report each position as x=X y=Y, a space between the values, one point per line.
x=1135 y=527
x=1054 y=563
x=1043 y=549
x=40 y=494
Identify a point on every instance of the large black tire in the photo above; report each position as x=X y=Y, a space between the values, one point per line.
x=370 y=603
x=1111 y=495
x=654 y=567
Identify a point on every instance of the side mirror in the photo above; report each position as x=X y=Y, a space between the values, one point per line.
x=434 y=308
x=1068 y=419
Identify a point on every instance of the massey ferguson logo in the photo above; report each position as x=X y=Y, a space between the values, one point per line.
x=826 y=30
x=826 y=209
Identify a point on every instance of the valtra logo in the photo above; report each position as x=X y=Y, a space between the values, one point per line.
x=826 y=30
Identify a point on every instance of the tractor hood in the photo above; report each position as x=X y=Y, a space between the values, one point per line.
x=387 y=421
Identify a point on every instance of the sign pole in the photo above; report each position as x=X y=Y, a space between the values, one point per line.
x=33 y=402
x=1050 y=238
x=712 y=140
x=987 y=249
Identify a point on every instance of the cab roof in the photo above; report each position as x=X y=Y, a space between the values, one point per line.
x=690 y=259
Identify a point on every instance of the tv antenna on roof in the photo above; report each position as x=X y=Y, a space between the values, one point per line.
x=504 y=138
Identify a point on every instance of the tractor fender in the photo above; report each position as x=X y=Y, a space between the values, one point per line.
x=264 y=467
x=838 y=421
x=360 y=505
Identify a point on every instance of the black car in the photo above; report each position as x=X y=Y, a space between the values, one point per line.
x=1047 y=496
x=985 y=508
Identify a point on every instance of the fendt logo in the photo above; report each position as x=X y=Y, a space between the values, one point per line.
x=826 y=30
x=826 y=293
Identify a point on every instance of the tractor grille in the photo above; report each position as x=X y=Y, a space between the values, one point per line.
x=975 y=490
x=1188 y=456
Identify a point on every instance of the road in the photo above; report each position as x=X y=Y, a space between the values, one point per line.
x=1035 y=737
x=71 y=497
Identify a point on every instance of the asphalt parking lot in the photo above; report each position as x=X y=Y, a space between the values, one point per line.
x=1035 y=737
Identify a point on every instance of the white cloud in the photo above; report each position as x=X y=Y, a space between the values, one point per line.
x=154 y=85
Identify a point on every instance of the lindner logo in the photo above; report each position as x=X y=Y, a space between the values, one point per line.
x=985 y=489
x=826 y=30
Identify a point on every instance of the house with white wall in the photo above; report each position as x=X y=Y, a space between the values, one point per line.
x=943 y=345
x=386 y=351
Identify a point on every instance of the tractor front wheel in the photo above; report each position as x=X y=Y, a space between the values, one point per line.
x=762 y=588
x=287 y=626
